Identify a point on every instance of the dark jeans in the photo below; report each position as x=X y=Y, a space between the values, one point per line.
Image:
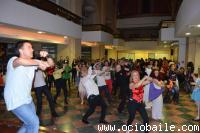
x=39 y=91
x=115 y=87
x=74 y=77
x=60 y=84
x=134 y=106
x=175 y=94
x=93 y=102
x=106 y=91
x=123 y=97
x=50 y=80
x=1 y=92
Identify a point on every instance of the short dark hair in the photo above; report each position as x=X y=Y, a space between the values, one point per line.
x=19 y=45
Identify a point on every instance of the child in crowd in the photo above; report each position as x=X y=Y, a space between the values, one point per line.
x=196 y=94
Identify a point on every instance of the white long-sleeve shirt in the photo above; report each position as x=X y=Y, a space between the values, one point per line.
x=89 y=84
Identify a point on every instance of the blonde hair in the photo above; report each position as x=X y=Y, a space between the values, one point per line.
x=131 y=77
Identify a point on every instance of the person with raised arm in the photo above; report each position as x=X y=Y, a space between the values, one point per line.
x=136 y=99
x=93 y=96
x=19 y=79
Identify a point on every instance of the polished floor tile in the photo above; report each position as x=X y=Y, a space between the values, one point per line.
x=70 y=116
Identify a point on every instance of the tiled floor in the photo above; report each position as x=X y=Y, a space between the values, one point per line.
x=71 y=115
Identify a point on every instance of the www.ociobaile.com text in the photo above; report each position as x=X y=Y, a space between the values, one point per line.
x=161 y=127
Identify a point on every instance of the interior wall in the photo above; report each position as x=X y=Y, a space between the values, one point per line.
x=141 y=45
x=138 y=54
x=140 y=49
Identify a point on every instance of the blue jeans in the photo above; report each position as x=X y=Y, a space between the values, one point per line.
x=27 y=114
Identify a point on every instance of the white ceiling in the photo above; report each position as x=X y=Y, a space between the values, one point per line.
x=188 y=18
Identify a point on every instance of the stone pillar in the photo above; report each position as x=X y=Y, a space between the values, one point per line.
x=98 y=52
x=182 y=52
x=71 y=50
x=193 y=53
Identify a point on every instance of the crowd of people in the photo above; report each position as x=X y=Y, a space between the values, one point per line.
x=139 y=84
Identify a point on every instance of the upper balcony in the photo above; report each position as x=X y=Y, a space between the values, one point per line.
x=40 y=15
x=55 y=9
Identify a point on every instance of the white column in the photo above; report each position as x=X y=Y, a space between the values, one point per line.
x=182 y=53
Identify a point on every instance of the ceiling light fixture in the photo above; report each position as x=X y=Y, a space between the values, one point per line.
x=164 y=41
x=188 y=33
x=40 y=32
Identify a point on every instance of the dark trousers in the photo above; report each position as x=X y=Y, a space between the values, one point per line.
x=123 y=97
x=93 y=102
x=1 y=92
x=114 y=84
x=39 y=91
x=68 y=83
x=134 y=106
x=106 y=91
x=74 y=77
x=60 y=84
x=50 y=80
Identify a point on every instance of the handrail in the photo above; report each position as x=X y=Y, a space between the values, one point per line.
x=97 y=27
x=54 y=9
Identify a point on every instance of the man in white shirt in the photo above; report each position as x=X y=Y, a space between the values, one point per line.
x=94 y=99
x=101 y=82
x=19 y=78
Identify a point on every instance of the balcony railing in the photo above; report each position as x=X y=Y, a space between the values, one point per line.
x=54 y=9
x=97 y=27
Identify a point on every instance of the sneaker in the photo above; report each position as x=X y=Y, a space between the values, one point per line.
x=103 y=121
x=66 y=102
x=85 y=121
x=196 y=119
x=55 y=114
